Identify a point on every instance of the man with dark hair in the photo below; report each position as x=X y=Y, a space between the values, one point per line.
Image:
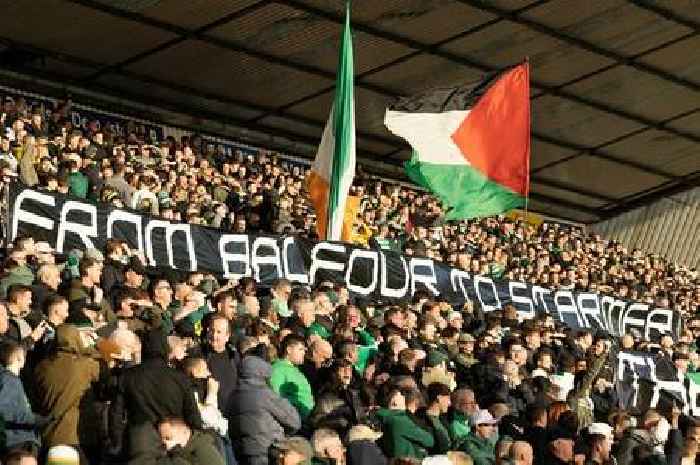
x=287 y=380
x=438 y=405
x=222 y=358
x=152 y=391
x=24 y=325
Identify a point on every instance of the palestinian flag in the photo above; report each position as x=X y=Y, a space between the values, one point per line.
x=333 y=169
x=471 y=146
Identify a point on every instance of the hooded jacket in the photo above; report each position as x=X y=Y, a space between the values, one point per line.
x=632 y=439
x=62 y=381
x=402 y=436
x=20 y=422
x=258 y=417
x=153 y=390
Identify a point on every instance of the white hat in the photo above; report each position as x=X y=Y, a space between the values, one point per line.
x=601 y=428
x=482 y=417
x=455 y=316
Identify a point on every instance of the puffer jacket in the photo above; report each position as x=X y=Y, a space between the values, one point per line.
x=258 y=417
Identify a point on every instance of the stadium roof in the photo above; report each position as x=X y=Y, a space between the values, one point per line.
x=615 y=83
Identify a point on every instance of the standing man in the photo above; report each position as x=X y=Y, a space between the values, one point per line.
x=288 y=381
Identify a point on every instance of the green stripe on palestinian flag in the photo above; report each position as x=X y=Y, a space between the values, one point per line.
x=471 y=147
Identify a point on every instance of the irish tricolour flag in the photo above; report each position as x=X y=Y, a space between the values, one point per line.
x=334 y=167
x=471 y=147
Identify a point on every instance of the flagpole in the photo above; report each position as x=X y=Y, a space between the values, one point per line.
x=527 y=196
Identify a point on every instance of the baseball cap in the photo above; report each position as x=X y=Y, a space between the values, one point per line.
x=455 y=316
x=482 y=417
x=465 y=337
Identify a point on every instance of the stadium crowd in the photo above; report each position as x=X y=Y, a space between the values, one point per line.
x=105 y=361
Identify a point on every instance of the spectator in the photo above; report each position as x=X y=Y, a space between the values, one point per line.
x=258 y=417
x=402 y=436
x=62 y=382
x=481 y=441
x=288 y=381
x=185 y=446
x=152 y=391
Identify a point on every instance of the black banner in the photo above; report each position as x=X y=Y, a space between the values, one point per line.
x=647 y=381
x=380 y=275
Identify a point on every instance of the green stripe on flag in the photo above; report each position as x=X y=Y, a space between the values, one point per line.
x=343 y=127
x=464 y=191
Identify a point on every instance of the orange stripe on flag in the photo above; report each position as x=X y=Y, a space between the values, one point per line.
x=352 y=206
x=318 y=194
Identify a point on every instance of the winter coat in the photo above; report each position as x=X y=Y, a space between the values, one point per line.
x=27 y=171
x=482 y=451
x=364 y=452
x=402 y=436
x=153 y=390
x=20 y=421
x=199 y=450
x=629 y=441
x=258 y=417
x=62 y=381
x=288 y=381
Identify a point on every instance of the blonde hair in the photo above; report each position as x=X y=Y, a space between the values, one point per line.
x=322 y=439
x=459 y=458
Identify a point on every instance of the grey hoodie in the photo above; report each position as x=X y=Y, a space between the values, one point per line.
x=258 y=417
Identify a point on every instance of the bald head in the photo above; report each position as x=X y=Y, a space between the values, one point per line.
x=321 y=352
x=521 y=453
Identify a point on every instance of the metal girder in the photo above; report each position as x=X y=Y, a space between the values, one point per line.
x=223 y=43
x=425 y=48
x=404 y=58
x=596 y=151
x=177 y=40
x=581 y=43
x=666 y=13
x=653 y=194
x=471 y=63
x=576 y=190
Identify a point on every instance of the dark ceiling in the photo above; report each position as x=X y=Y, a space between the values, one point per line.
x=615 y=83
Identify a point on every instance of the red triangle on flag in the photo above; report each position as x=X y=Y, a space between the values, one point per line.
x=495 y=136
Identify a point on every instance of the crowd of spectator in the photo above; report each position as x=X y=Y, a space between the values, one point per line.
x=106 y=361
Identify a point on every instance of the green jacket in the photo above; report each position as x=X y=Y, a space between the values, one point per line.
x=78 y=185
x=482 y=451
x=459 y=429
x=289 y=382
x=402 y=437
x=443 y=444
x=18 y=275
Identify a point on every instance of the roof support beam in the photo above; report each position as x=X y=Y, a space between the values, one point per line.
x=425 y=48
x=581 y=43
x=666 y=13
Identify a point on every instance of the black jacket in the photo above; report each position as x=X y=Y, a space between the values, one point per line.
x=365 y=452
x=153 y=390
